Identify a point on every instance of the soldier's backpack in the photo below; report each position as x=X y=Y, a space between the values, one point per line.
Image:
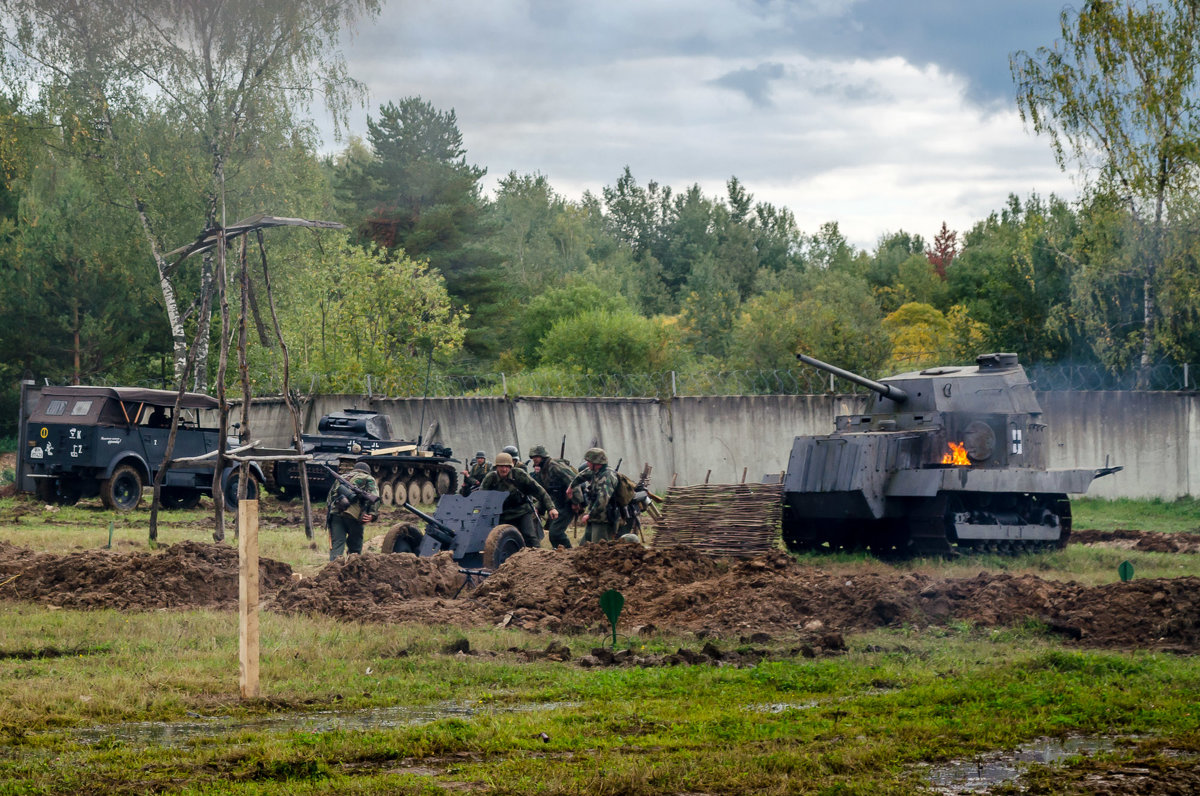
x=625 y=492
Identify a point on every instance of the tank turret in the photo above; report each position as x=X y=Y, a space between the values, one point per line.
x=941 y=457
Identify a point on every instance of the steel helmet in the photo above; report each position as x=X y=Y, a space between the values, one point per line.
x=595 y=456
x=366 y=468
x=539 y=450
x=503 y=458
x=480 y=455
x=512 y=451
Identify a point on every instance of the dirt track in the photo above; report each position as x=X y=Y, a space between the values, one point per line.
x=677 y=590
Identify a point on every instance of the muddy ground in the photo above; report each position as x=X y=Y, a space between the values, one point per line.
x=677 y=590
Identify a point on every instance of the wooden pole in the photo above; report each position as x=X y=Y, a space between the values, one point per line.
x=248 y=597
x=744 y=470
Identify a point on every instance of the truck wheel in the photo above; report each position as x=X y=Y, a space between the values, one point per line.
x=175 y=497
x=387 y=493
x=122 y=492
x=404 y=538
x=231 y=488
x=429 y=493
x=502 y=542
x=414 y=491
x=46 y=490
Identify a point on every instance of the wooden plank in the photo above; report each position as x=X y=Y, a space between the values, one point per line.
x=393 y=450
x=248 y=598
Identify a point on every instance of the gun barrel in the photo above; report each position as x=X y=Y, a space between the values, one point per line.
x=886 y=390
x=443 y=533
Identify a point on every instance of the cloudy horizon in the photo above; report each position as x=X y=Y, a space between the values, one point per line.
x=880 y=115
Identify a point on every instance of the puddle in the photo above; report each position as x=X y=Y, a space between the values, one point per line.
x=178 y=733
x=983 y=771
x=780 y=707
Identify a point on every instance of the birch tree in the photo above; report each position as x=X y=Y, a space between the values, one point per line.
x=1118 y=97
x=225 y=71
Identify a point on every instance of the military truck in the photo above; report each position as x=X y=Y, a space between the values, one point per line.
x=111 y=441
x=403 y=470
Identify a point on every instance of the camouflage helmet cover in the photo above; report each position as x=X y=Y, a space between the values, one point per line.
x=363 y=466
x=511 y=450
x=538 y=450
x=503 y=459
x=595 y=456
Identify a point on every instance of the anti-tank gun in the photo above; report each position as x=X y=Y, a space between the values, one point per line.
x=942 y=457
x=469 y=527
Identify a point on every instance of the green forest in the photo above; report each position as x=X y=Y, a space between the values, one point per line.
x=127 y=130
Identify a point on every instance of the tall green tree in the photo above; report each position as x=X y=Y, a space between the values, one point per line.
x=423 y=198
x=223 y=71
x=1118 y=94
x=76 y=302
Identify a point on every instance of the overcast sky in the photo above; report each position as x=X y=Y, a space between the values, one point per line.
x=878 y=114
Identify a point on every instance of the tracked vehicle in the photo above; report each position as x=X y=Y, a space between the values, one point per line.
x=402 y=469
x=943 y=458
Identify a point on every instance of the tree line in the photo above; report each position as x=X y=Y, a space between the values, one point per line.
x=153 y=121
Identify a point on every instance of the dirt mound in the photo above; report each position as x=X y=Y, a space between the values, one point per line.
x=676 y=590
x=184 y=575
x=1146 y=541
x=681 y=590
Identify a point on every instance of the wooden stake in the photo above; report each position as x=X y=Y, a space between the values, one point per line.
x=744 y=469
x=674 y=477
x=248 y=597
x=706 y=475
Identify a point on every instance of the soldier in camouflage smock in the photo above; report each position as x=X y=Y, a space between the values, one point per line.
x=517 y=509
x=555 y=477
x=346 y=524
x=473 y=477
x=598 y=483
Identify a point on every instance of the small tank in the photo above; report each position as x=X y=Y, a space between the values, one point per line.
x=403 y=470
x=943 y=458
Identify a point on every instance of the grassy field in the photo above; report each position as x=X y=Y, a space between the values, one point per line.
x=103 y=701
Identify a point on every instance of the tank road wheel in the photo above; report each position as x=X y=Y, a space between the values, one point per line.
x=445 y=484
x=429 y=493
x=387 y=494
x=502 y=542
x=414 y=491
x=123 y=491
x=399 y=491
x=177 y=497
x=404 y=538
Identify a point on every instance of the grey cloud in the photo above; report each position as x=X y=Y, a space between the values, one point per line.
x=754 y=83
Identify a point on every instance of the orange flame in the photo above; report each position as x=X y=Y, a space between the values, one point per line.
x=957 y=454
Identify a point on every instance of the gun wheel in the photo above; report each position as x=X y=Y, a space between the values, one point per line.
x=501 y=544
x=404 y=538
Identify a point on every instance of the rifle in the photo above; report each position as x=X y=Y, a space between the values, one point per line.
x=347 y=493
x=562 y=449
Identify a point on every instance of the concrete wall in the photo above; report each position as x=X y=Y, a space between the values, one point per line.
x=1155 y=435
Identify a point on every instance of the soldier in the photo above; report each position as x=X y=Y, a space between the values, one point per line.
x=346 y=517
x=555 y=477
x=474 y=476
x=512 y=451
x=520 y=486
x=599 y=483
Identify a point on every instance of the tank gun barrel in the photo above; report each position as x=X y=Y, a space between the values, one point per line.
x=886 y=390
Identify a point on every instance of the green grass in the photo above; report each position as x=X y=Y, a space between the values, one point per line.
x=851 y=724
x=1181 y=515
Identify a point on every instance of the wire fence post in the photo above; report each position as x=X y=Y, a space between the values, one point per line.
x=1185 y=375
x=673 y=392
x=504 y=383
